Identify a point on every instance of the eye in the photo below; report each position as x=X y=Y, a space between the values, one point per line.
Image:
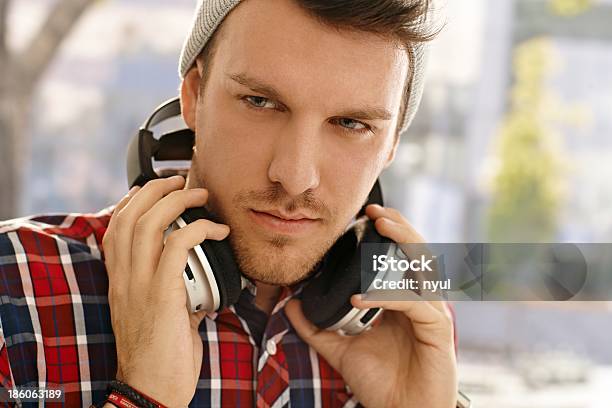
x=259 y=102
x=352 y=125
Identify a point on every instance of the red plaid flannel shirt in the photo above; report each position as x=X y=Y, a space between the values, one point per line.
x=56 y=327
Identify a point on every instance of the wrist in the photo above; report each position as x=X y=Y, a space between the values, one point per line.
x=158 y=386
x=124 y=395
x=149 y=387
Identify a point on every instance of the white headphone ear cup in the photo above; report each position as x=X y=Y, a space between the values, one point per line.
x=202 y=290
x=217 y=262
x=200 y=284
x=227 y=277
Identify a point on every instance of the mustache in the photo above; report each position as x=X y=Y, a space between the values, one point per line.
x=277 y=197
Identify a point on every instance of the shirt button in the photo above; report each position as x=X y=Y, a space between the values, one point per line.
x=271 y=347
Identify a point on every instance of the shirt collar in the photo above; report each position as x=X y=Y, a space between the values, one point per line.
x=287 y=292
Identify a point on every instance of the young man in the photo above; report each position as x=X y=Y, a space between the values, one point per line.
x=297 y=106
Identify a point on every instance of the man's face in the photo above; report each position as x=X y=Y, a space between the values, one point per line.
x=294 y=125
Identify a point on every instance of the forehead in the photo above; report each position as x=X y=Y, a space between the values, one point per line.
x=277 y=41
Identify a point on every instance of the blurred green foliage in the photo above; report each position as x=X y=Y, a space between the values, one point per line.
x=526 y=187
x=569 y=8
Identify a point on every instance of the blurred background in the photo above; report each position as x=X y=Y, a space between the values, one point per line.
x=513 y=143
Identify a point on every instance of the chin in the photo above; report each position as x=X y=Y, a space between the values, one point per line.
x=279 y=260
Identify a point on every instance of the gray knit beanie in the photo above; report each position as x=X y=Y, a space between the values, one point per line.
x=210 y=13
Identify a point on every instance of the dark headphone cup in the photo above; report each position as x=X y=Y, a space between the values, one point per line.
x=326 y=298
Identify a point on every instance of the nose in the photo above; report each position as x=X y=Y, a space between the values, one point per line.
x=295 y=162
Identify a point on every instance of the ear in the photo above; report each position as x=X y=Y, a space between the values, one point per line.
x=391 y=155
x=189 y=96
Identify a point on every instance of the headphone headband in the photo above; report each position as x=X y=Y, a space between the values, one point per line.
x=144 y=148
x=167 y=110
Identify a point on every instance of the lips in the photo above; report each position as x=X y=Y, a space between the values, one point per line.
x=291 y=217
x=280 y=223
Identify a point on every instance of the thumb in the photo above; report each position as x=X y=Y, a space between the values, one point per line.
x=196 y=318
x=330 y=345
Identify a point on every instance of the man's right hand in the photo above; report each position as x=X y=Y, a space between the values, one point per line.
x=159 y=349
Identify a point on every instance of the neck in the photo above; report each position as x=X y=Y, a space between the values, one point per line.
x=267 y=296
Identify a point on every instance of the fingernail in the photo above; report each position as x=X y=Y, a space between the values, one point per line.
x=133 y=190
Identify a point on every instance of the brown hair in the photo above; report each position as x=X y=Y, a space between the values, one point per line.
x=405 y=21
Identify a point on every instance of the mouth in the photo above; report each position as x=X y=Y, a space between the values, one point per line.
x=279 y=223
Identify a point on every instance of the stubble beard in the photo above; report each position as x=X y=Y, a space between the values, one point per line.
x=278 y=259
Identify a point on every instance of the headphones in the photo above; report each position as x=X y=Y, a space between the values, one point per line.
x=212 y=278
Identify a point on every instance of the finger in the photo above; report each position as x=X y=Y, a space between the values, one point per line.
x=149 y=231
x=388 y=299
x=169 y=274
x=142 y=201
x=400 y=296
x=431 y=326
x=403 y=295
x=445 y=308
x=397 y=232
x=411 y=243
x=126 y=198
x=108 y=247
x=393 y=225
x=375 y=211
x=119 y=206
x=106 y=239
x=196 y=318
x=327 y=343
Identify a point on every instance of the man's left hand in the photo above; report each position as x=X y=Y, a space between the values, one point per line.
x=408 y=358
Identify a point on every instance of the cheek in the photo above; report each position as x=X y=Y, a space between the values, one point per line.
x=225 y=153
x=350 y=175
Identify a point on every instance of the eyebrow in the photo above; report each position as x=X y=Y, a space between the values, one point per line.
x=256 y=85
x=362 y=113
x=368 y=113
